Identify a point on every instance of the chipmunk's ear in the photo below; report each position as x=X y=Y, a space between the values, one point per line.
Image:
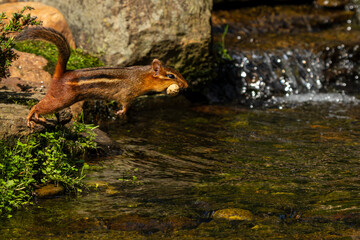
x=156 y=65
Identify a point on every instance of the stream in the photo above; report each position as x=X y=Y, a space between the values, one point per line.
x=296 y=170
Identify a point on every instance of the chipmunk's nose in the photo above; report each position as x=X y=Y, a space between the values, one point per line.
x=183 y=84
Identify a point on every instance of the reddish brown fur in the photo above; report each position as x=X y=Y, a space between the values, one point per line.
x=121 y=84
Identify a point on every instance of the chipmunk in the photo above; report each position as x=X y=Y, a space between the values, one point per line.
x=122 y=84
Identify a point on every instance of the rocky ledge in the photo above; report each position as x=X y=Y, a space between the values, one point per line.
x=19 y=91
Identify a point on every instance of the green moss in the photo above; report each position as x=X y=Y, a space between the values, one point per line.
x=16 y=23
x=23 y=101
x=78 y=58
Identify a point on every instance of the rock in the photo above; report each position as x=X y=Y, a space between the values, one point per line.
x=29 y=68
x=51 y=17
x=135 y=32
x=111 y=190
x=25 y=85
x=14 y=84
x=49 y=190
x=332 y=3
x=102 y=186
x=12 y=121
x=257 y=21
x=97 y=184
x=104 y=142
x=231 y=4
x=234 y=214
x=144 y=224
x=8 y=1
x=178 y=222
x=133 y=223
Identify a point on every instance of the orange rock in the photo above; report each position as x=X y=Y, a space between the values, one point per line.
x=29 y=69
x=50 y=16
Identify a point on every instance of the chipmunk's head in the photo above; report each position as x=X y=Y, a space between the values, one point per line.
x=163 y=77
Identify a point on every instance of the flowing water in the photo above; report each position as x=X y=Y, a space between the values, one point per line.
x=284 y=50
x=296 y=169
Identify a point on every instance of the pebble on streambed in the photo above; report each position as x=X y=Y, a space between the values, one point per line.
x=49 y=191
x=234 y=214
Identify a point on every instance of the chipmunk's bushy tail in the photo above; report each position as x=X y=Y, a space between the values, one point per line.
x=52 y=36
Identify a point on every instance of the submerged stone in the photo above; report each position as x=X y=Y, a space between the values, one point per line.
x=149 y=225
x=234 y=214
x=96 y=184
x=111 y=190
x=49 y=190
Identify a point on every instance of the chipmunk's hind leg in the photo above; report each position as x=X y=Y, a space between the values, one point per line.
x=45 y=106
x=34 y=112
x=31 y=123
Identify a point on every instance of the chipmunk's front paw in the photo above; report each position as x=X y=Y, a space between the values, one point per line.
x=30 y=123
x=122 y=112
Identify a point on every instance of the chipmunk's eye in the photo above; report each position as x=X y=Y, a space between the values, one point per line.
x=171 y=76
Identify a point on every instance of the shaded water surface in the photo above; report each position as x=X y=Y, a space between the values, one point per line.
x=295 y=169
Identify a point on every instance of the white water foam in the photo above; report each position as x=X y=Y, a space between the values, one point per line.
x=315 y=98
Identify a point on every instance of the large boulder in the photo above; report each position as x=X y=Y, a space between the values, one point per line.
x=134 y=32
x=51 y=17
